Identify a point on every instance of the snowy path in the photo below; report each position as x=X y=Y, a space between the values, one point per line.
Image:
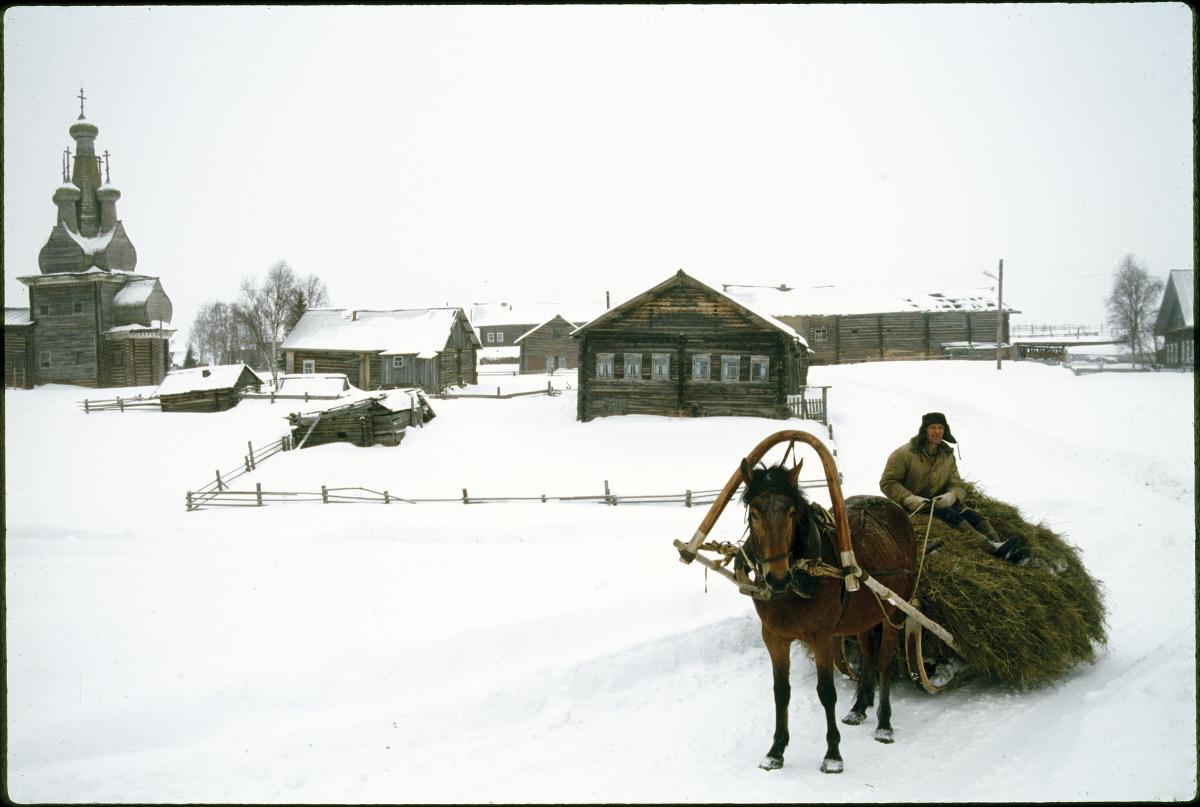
x=559 y=652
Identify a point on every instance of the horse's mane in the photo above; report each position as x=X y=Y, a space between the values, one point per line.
x=773 y=480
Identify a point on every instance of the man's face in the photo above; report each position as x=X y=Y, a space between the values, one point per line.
x=934 y=432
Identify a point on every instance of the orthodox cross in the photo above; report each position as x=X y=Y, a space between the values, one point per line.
x=66 y=164
x=107 y=175
x=82 y=98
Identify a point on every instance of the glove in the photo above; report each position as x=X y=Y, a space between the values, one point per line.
x=913 y=504
x=947 y=499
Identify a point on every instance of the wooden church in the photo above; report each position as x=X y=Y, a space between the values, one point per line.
x=93 y=321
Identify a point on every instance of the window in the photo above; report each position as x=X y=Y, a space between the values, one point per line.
x=491 y=336
x=308 y=366
x=556 y=333
x=633 y=366
x=759 y=368
x=78 y=357
x=660 y=366
x=499 y=337
x=604 y=365
x=820 y=334
x=731 y=368
x=397 y=362
x=78 y=308
x=118 y=359
x=45 y=358
x=701 y=367
x=44 y=310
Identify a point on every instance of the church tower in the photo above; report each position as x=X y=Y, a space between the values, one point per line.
x=96 y=322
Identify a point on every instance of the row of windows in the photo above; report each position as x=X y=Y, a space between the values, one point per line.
x=44 y=309
x=703 y=367
x=495 y=336
x=310 y=365
x=46 y=359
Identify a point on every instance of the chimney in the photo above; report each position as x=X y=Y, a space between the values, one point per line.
x=607 y=302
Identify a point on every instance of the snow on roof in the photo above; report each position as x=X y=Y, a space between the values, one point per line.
x=323 y=384
x=506 y=352
x=751 y=306
x=500 y=314
x=400 y=399
x=17 y=316
x=195 y=379
x=423 y=331
x=92 y=244
x=136 y=292
x=541 y=325
x=846 y=300
x=156 y=326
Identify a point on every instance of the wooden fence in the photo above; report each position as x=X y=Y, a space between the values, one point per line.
x=219 y=486
x=258 y=497
x=121 y=404
x=810 y=404
x=549 y=390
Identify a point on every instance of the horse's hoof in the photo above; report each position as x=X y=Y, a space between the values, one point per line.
x=831 y=766
x=771 y=763
x=885 y=736
x=854 y=718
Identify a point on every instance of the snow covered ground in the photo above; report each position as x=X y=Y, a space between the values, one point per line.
x=556 y=652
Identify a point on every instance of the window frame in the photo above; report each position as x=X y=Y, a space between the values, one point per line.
x=820 y=333
x=397 y=362
x=707 y=359
x=657 y=360
x=603 y=361
x=729 y=360
x=45 y=358
x=77 y=307
x=765 y=362
x=308 y=366
x=625 y=363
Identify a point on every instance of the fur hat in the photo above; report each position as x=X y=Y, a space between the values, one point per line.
x=937 y=417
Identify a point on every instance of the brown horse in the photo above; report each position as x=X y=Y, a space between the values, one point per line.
x=885 y=547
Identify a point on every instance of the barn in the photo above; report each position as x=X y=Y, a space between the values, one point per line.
x=844 y=324
x=206 y=389
x=688 y=348
x=365 y=419
x=19 y=348
x=429 y=348
x=1176 y=322
x=548 y=347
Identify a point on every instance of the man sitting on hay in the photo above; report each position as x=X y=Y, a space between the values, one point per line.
x=923 y=473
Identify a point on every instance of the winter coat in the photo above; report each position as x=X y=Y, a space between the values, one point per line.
x=912 y=470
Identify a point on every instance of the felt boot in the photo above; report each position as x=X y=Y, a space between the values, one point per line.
x=985 y=543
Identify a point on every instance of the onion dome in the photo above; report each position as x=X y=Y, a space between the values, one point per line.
x=107 y=193
x=67 y=192
x=83 y=128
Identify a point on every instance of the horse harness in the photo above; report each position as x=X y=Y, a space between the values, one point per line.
x=821 y=522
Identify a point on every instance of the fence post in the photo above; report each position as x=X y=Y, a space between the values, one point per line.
x=250 y=446
x=825 y=405
x=86 y=411
x=220 y=484
x=189 y=502
x=497 y=392
x=324 y=495
x=258 y=491
x=687 y=499
x=120 y=404
x=608 y=497
x=464 y=490
x=387 y=499
x=246 y=464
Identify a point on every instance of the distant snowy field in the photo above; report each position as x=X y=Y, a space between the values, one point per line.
x=556 y=652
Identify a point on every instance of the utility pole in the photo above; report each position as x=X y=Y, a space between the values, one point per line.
x=999 y=313
x=999 y=309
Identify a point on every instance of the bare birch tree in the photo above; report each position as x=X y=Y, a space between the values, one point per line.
x=263 y=309
x=1133 y=304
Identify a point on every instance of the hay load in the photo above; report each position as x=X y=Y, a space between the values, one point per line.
x=1016 y=625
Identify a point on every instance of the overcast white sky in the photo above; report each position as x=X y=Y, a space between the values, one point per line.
x=419 y=156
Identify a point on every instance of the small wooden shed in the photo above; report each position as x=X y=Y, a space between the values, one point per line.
x=1176 y=322
x=206 y=389
x=366 y=420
